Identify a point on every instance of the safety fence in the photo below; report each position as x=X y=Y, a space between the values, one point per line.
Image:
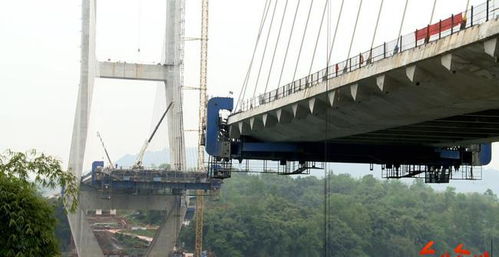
x=474 y=16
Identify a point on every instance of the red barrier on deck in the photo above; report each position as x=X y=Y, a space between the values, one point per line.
x=439 y=27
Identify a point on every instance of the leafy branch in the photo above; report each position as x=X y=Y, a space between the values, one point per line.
x=35 y=168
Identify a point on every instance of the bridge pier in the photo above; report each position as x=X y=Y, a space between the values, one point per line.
x=91 y=199
x=168 y=232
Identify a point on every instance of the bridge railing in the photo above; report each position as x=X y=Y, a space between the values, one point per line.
x=474 y=16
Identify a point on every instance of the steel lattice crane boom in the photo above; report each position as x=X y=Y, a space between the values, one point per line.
x=140 y=156
x=111 y=165
x=202 y=120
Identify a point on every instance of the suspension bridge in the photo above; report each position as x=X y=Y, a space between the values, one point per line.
x=422 y=105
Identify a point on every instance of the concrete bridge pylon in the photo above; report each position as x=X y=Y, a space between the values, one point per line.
x=169 y=74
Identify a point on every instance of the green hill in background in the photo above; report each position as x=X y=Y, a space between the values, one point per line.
x=274 y=215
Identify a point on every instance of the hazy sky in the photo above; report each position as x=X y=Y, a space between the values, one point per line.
x=39 y=62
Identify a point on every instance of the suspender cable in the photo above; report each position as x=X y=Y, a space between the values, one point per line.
x=327 y=208
x=265 y=48
x=139 y=28
x=467 y=8
x=276 y=45
x=402 y=23
x=262 y=23
x=377 y=23
x=318 y=37
x=354 y=29
x=289 y=43
x=303 y=38
x=335 y=32
x=433 y=11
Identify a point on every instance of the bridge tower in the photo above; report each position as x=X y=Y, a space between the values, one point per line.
x=170 y=74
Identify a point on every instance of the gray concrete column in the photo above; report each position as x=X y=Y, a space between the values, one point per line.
x=167 y=234
x=174 y=54
x=84 y=238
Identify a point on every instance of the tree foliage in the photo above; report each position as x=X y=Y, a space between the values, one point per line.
x=27 y=221
x=281 y=216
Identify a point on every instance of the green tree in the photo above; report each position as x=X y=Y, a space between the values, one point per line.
x=27 y=222
x=282 y=216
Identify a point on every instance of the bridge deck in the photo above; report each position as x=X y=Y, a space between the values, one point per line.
x=132 y=179
x=441 y=91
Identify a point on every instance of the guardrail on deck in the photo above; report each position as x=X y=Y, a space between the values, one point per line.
x=477 y=15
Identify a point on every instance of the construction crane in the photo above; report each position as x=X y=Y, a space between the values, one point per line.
x=111 y=165
x=138 y=163
x=202 y=119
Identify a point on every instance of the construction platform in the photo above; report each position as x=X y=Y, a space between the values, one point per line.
x=135 y=180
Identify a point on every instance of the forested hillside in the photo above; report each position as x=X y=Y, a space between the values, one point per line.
x=281 y=216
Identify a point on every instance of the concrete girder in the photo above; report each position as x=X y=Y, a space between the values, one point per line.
x=319 y=105
x=269 y=120
x=265 y=117
x=416 y=74
x=234 y=131
x=134 y=71
x=447 y=62
x=256 y=123
x=311 y=104
x=331 y=96
x=283 y=116
x=386 y=84
x=91 y=200
x=491 y=47
x=365 y=89
x=344 y=95
x=299 y=111
x=244 y=127
x=353 y=91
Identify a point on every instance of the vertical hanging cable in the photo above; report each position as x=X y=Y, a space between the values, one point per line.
x=276 y=45
x=289 y=43
x=139 y=31
x=242 y=93
x=265 y=48
x=327 y=188
x=303 y=39
x=354 y=29
x=335 y=32
x=318 y=37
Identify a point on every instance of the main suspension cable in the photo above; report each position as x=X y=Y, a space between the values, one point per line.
x=246 y=79
x=318 y=36
x=289 y=42
x=354 y=29
x=335 y=33
x=265 y=48
x=276 y=45
x=303 y=39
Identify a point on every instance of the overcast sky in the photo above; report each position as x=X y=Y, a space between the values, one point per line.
x=39 y=62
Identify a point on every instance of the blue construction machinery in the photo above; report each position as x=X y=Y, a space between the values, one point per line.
x=437 y=164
